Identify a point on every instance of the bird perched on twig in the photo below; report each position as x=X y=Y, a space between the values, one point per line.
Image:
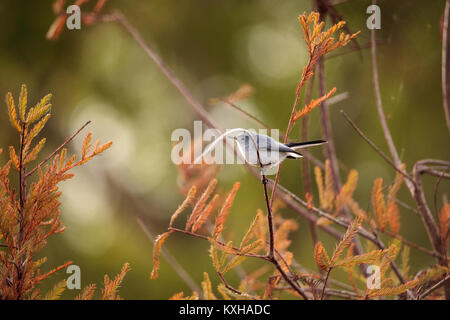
x=269 y=152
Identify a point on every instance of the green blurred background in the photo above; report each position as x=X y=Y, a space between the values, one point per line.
x=99 y=73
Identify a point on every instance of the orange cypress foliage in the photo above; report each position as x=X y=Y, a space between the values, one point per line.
x=329 y=188
x=346 y=239
x=350 y=269
x=320 y=187
x=45 y=276
x=252 y=230
x=319 y=42
x=204 y=215
x=312 y=104
x=177 y=296
x=357 y=211
x=321 y=256
x=393 y=290
x=392 y=214
x=187 y=201
x=198 y=208
x=112 y=286
x=243 y=92
x=223 y=214
x=56 y=292
x=281 y=235
x=157 y=251
x=30 y=215
x=444 y=216
x=87 y=293
x=378 y=203
x=207 y=288
x=347 y=190
x=309 y=200
x=393 y=217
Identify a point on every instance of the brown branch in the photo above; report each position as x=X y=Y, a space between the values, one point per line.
x=410 y=243
x=22 y=194
x=333 y=292
x=406 y=206
x=225 y=283
x=433 y=288
x=325 y=283
x=427 y=218
x=57 y=150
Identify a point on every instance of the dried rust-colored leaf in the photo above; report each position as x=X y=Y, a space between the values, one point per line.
x=56 y=292
x=207 y=288
x=204 y=215
x=314 y=103
x=156 y=252
x=87 y=293
x=346 y=239
x=378 y=203
x=321 y=256
x=347 y=190
x=444 y=216
x=223 y=214
x=187 y=201
x=198 y=208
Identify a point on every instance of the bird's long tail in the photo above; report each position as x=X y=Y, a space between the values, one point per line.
x=299 y=145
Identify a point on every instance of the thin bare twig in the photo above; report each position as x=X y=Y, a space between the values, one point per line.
x=433 y=288
x=376 y=86
x=374 y=147
x=410 y=243
x=325 y=283
x=220 y=243
x=425 y=213
x=225 y=283
x=57 y=150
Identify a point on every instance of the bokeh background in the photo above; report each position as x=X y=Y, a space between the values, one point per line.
x=99 y=73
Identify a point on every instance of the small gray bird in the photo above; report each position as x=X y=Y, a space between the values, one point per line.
x=271 y=152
